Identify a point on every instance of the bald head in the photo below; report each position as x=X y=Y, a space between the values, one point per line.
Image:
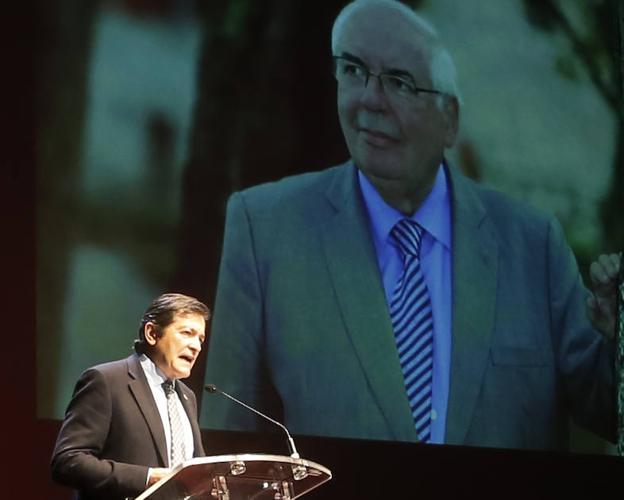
x=372 y=9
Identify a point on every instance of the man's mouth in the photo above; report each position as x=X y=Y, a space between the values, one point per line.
x=376 y=137
x=188 y=357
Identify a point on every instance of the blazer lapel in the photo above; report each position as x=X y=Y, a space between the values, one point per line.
x=352 y=264
x=475 y=262
x=191 y=413
x=139 y=388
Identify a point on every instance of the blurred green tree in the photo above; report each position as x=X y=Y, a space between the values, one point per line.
x=595 y=45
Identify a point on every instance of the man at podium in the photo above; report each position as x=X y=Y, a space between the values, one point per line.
x=129 y=421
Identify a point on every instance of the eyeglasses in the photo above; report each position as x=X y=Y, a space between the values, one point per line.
x=352 y=74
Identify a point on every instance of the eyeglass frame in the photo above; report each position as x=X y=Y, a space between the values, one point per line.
x=398 y=75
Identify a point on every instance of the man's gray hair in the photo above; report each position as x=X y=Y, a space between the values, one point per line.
x=441 y=66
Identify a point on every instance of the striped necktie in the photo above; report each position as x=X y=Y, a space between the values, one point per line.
x=178 y=453
x=412 y=321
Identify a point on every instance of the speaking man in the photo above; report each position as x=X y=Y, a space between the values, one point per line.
x=131 y=421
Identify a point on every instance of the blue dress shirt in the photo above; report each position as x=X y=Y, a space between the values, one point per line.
x=434 y=215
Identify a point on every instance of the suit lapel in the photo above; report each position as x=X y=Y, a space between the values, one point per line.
x=191 y=413
x=139 y=388
x=352 y=264
x=475 y=258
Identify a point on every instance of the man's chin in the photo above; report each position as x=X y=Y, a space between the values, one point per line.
x=380 y=171
x=183 y=373
x=380 y=163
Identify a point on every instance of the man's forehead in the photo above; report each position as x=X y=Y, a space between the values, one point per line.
x=187 y=317
x=386 y=37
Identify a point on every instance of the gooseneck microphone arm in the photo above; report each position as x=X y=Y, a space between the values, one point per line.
x=211 y=388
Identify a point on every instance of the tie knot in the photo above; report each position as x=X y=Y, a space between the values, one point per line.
x=168 y=387
x=408 y=236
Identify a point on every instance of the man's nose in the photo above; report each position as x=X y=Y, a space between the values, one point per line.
x=195 y=344
x=373 y=95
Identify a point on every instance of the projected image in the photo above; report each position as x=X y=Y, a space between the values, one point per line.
x=392 y=220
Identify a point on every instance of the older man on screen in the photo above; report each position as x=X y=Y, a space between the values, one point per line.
x=393 y=298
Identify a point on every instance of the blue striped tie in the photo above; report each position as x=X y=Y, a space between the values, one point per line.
x=412 y=321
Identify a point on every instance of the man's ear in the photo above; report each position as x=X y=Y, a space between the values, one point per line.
x=451 y=119
x=151 y=333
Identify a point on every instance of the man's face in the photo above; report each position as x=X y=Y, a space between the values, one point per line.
x=176 y=350
x=393 y=141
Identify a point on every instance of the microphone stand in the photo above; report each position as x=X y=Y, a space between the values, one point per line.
x=291 y=444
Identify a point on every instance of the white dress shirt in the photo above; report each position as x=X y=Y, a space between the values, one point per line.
x=155 y=379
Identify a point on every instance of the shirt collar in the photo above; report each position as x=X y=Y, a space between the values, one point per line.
x=431 y=215
x=154 y=375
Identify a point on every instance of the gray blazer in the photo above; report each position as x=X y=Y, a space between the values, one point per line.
x=301 y=327
x=112 y=432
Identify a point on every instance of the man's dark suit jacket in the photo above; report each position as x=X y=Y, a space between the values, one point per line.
x=301 y=315
x=112 y=432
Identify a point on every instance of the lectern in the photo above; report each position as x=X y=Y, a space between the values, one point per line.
x=239 y=477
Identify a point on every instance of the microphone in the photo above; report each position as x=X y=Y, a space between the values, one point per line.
x=211 y=388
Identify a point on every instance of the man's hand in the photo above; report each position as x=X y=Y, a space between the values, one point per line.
x=156 y=474
x=601 y=308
